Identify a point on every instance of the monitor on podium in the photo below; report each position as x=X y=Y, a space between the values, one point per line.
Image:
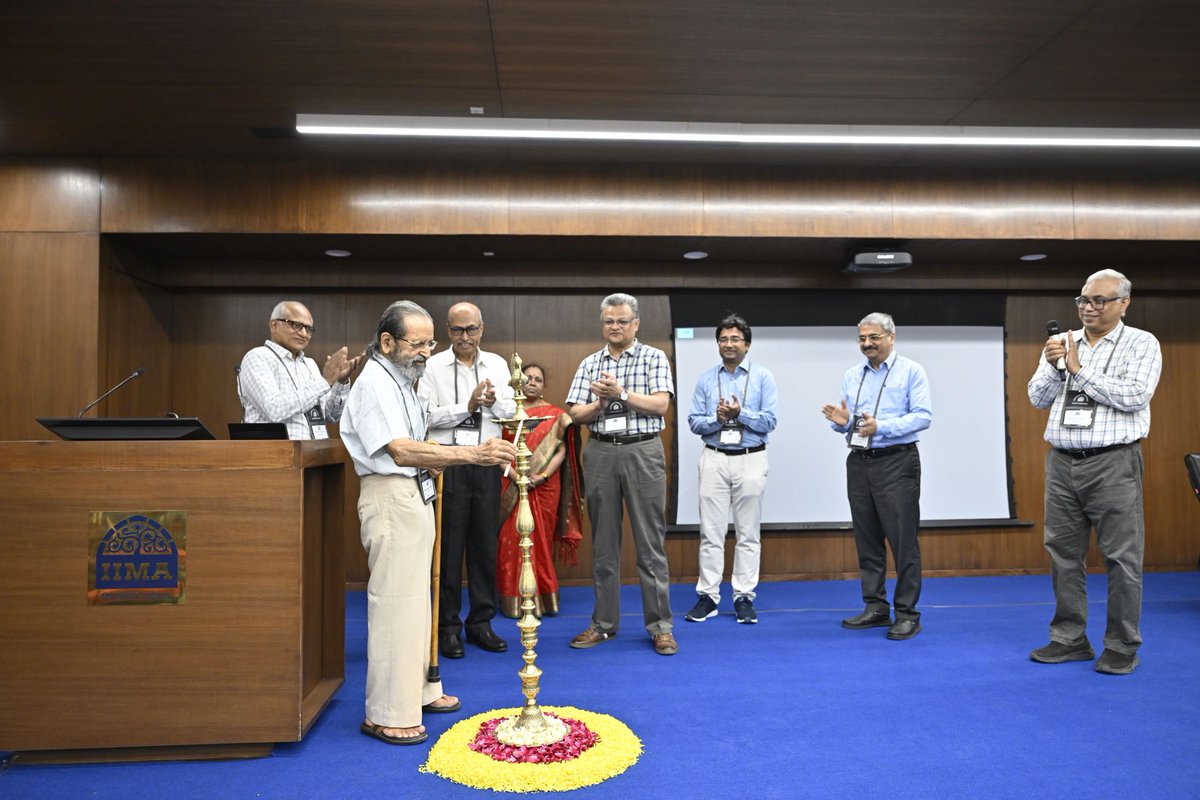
x=111 y=429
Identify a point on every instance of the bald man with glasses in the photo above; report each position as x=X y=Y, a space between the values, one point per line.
x=465 y=387
x=277 y=382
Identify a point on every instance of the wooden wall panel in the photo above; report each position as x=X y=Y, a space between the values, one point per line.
x=50 y=322
x=1005 y=206
x=1125 y=207
x=773 y=203
x=49 y=195
x=136 y=330
x=147 y=195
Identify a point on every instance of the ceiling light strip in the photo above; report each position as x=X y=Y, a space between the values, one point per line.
x=721 y=133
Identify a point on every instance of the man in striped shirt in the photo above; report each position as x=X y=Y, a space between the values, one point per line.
x=1097 y=383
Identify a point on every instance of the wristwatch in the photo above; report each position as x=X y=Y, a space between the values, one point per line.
x=624 y=396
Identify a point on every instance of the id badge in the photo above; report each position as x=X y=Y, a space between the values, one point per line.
x=615 y=418
x=1079 y=410
x=857 y=439
x=316 y=422
x=731 y=433
x=428 y=486
x=467 y=432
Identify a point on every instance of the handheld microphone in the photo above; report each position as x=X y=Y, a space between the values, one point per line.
x=132 y=375
x=1052 y=330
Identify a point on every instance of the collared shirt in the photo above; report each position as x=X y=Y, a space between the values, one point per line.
x=1122 y=388
x=896 y=394
x=447 y=386
x=641 y=369
x=382 y=407
x=754 y=386
x=274 y=386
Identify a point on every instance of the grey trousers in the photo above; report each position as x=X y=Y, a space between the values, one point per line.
x=1104 y=491
x=634 y=475
x=885 y=505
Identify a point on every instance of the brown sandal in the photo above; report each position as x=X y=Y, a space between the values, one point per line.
x=376 y=732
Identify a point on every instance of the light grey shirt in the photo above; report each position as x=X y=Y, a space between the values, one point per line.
x=382 y=407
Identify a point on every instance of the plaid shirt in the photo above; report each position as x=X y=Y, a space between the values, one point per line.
x=275 y=387
x=642 y=369
x=1121 y=388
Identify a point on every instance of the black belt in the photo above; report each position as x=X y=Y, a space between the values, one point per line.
x=634 y=439
x=741 y=452
x=880 y=452
x=1092 y=451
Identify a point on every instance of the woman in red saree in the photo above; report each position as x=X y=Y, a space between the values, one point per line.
x=554 y=494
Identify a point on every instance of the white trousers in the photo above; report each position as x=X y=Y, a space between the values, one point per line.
x=397 y=532
x=730 y=484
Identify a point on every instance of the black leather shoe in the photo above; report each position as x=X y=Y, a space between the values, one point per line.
x=486 y=638
x=904 y=629
x=450 y=645
x=868 y=619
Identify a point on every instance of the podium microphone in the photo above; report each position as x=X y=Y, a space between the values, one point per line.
x=132 y=375
x=1053 y=330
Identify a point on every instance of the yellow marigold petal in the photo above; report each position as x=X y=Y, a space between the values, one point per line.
x=617 y=751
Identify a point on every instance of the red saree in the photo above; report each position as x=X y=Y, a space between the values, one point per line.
x=556 y=515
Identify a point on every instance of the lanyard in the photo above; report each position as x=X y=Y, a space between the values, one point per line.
x=878 y=397
x=733 y=384
x=635 y=355
x=403 y=401
x=285 y=367
x=454 y=366
x=1107 y=364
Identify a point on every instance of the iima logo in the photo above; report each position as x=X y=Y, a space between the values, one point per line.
x=137 y=560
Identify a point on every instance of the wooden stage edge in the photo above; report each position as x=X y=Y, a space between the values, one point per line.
x=108 y=755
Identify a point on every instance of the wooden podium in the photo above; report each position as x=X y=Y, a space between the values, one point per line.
x=250 y=657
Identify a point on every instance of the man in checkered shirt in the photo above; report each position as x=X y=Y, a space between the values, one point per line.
x=1097 y=383
x=277 y=382
x=621 y=393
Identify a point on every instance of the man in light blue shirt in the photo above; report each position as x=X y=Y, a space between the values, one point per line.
x=733 y=411
x=884 y=405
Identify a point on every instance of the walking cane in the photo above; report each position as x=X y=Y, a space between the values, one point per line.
x=435 y=674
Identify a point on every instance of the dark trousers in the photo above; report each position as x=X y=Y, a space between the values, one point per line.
x=885 y=498
x=470 y=524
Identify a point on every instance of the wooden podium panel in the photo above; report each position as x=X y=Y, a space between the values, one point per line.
x=253 y=653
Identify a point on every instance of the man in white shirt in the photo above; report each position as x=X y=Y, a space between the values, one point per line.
x=465 y=388
x=384 y=433
x=278 y=383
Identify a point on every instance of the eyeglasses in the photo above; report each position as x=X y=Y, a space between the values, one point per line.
x=730 y=340
x=1097 y=302
x=431 y=344
x=299 y=327
x=872 y=337
x=458 y=330
x=617 y=323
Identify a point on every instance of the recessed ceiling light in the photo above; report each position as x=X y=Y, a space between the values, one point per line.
x=337 y=253
x=476 y=109
x=488 y=254
x=1033 y=256
x=696 y=255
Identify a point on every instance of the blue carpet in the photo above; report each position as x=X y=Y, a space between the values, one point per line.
x=794 y=707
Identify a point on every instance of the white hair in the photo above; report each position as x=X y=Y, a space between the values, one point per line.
x=1125 y=287
x=281 y=309
x=621 y=299
x=880 y=319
